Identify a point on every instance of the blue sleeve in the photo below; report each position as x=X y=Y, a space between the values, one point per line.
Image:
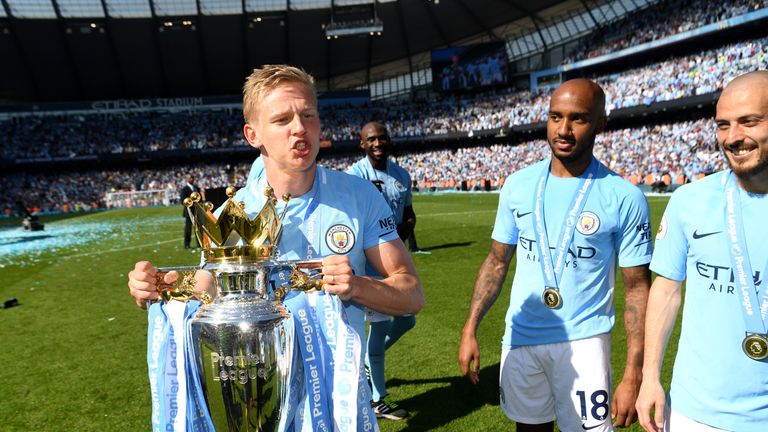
x=505 y=229
x=401 y=174
x=634 y=243
x=379 y=222
x=355 y=170
x=671 y=251
x=408 y=191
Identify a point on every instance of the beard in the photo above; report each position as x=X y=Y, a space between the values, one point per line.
x=752 y=170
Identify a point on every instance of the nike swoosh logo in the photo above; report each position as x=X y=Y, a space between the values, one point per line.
x=522 y=214
x=697 y=236
x=386 y=233
x=585 y=427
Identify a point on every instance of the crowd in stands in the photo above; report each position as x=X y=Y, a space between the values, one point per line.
x=655 y=155
x=701 y=73
x=664 y=154
x=86 y=190
x=127 y=132
x=665 y=18
x=682 y=152
x=697 y=74
x=68 y=136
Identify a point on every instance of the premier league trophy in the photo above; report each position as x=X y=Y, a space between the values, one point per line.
x=240 y=342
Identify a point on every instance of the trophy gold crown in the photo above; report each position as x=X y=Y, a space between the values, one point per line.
x=259 y=235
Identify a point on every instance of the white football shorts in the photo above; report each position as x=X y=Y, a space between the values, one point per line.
x=375 y=316
x=570 y=381
x=676 y=422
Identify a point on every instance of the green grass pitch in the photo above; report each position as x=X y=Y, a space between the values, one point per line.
x=73 y=351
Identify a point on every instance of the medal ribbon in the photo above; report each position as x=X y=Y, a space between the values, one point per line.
x=315 y=352
x=740 y=264
x=343 y=386
x=551 y=273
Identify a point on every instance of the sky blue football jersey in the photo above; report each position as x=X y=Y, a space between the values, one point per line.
x=341 y=214
x=394 y=184
x=612 y=228
x=713 y=381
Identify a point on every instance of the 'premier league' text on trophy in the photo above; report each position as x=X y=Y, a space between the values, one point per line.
x=240 y=342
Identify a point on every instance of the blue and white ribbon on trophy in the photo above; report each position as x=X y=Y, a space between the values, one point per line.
x=351 y=394
x=340 y=399
x=337 y=394
x=177 y=400
x=317 y=362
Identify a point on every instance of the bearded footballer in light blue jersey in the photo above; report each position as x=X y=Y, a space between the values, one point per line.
x=714 y=232
x=556 y=354
x=394 y=183
x=332 y=215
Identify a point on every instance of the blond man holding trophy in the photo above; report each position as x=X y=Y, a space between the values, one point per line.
x=328 y=217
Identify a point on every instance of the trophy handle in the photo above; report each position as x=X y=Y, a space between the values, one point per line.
x=305 y=276
x=183 y=289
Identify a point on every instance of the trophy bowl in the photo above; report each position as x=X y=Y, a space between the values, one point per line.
x=243 y=348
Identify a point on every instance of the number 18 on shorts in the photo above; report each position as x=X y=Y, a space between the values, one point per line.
x=569 y=381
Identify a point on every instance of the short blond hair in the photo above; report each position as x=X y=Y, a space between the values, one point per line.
x=267 y=78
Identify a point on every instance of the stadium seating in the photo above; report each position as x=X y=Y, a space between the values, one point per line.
x=657 y=156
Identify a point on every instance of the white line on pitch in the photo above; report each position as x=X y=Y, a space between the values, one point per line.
x=120 y=249
x=420 y=215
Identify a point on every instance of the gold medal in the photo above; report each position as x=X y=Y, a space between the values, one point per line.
x=755 y=346
x=551 y=298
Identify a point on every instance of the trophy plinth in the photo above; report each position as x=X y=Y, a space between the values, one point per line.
x=241 y=338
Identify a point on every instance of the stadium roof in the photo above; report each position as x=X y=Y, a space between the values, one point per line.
x=66 y=50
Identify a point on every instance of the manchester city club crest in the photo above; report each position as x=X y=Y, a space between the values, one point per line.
x=588 y=223
x=340 y=238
